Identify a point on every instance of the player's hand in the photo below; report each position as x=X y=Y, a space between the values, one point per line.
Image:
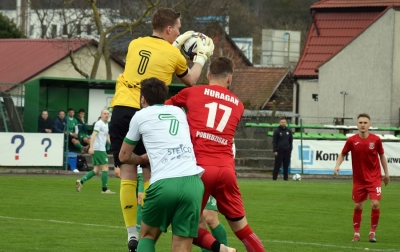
x=276 y=153
x=181 y=39
x=144 y=159
x=336 y=171
x=386 y=180
x=74 y=135
x=204 y=51
x=91 y=151
x=117 y=172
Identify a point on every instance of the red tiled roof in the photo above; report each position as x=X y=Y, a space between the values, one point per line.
x=354 y=3
x=21 y=59
x=254 y=86
x=336 y=31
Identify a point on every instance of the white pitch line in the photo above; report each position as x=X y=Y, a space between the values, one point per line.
x=266 y=241
x=59 y=221
x=328 y=245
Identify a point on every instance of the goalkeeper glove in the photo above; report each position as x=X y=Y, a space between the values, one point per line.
x=204 y=51
x=181 y=39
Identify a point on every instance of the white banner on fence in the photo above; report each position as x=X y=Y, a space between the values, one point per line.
x=319 y=157
x=31 y=149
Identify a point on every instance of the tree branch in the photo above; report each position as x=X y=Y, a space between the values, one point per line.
x=71 y=56
x=137 y=21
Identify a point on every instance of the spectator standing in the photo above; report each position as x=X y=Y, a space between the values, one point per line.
x=282 y=145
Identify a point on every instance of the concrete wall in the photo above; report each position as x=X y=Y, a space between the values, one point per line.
x=308 y=108
x=395 y=111
x=363 y=69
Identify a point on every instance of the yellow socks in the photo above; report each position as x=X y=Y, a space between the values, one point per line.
x=129 y=201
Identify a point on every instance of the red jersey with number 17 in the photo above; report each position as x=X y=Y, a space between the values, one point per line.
x=213 y=115
x=364 y=158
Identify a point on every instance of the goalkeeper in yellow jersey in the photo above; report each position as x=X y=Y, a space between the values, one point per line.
x=156 y=56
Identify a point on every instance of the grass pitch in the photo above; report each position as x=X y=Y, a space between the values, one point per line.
x=44 y=213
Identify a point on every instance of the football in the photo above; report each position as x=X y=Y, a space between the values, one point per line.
x=190 y=46
x=296 y=177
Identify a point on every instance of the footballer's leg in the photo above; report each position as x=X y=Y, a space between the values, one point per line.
x=118 y=129
x=359 y=195
x=96 y=169
x=149 y=237
x=204 y=239
x=104 y=178
x=375 y=193
x=210 y=214
x=140 y=201
x=230 y=204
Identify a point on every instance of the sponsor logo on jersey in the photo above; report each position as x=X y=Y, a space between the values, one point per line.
x=212 y=137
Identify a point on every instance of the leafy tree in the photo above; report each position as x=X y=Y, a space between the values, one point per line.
x=8 y=29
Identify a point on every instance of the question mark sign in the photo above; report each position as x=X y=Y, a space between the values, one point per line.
x=48 y=146
x=19 y=146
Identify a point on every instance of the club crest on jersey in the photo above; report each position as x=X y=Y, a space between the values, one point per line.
x=371 y=146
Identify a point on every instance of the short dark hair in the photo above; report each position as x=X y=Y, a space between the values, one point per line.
x=221 y=67
x=163 y=18
x=154 y=91
x=282 y=118
x=364 y=115
x=81 y=110
x=71 y=109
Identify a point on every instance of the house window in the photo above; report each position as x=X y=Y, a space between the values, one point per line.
x=53 y=31
x=44 y=30
x=31 y=27
x=89 y=29
x=78 y=29
x=315 y=97
x=65 y=29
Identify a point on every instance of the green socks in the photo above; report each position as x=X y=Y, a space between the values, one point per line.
x=219 y=233
x=87 y=176
x=138 y=217
x=146 y=245
x=104 y=180
x=79 y=146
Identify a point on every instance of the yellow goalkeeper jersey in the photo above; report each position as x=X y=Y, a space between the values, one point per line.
x=147 y=57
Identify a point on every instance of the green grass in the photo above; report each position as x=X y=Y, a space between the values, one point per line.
x=44 y=213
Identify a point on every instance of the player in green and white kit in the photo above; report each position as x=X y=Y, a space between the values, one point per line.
x=83 y=136
x=73 y=131
x=99 y=155
x=175 y=192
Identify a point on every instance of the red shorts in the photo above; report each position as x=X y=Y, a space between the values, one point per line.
x=220 y=182
x=361 y=192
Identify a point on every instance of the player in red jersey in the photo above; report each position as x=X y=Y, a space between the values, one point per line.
x=213 y=115
x=366 y=151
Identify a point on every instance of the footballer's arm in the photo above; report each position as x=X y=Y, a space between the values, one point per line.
x=127 y=156
x=192 y=75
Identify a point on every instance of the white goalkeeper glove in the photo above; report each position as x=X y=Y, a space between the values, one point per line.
x=181 y=39
x=204 y=51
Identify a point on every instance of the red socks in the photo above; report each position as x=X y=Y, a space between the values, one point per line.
x=375 y=213
x=357 y=220
x=250 y=240
x=204 y=239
